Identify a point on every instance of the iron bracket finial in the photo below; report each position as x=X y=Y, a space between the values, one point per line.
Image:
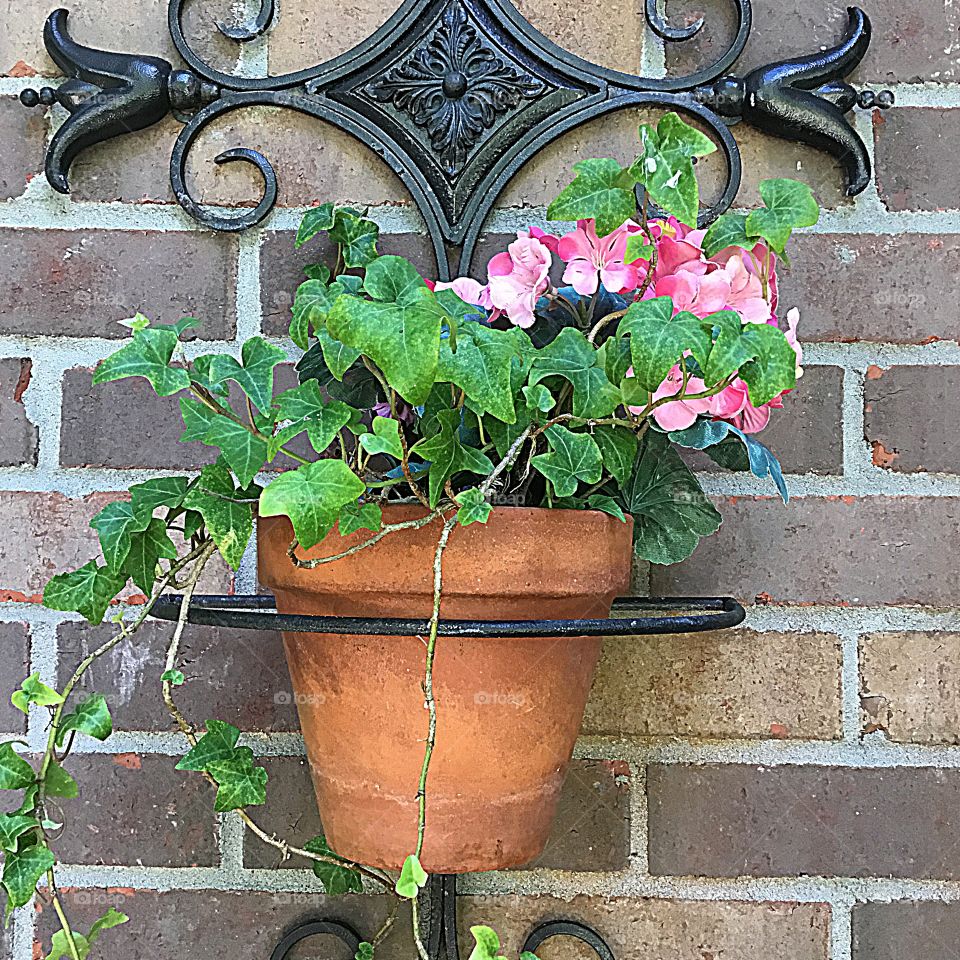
x=456 y=96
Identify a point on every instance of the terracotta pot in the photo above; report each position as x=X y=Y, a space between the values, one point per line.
x=509 y=710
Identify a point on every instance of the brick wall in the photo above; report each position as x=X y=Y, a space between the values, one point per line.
x=790 y=788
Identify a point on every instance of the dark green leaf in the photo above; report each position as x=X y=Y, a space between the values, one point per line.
x=336 y=879
x=15 y=772
x=59 y=783
x=357 y=237
x=602 y=190
x=316 y=220
x=229 y=523
x=357 y=516
x=728 y=230
x=775 y=367
x=148 y=355
x=606 y=504
x=146 y=549
x=448 y=455
x=618 y=447
x=90 y=716
x=12 y=825
x=160 y=492
x=217 y=744
x=113 y=525
x=572 y=357
x=240 y=783
x=87 y=591
x=22 y=871
x=573 y=457
x=789 y=205
x=255 y=375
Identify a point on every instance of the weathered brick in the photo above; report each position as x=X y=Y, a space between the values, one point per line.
x=910 y=43
x=736 y=683
x=80 y=282
x=916 y=168
x=281 y=269
x=910 y=685
x=136 y=809
x=105 y=25
x=23 y=134
x=904 y=930
x=19 y=433
x=216 y=923
x=14 y=666
x=314 y=161
x=591 y=831
x=239 y=675
x=871 y=550
x=48 y=533
x=736 y=820
x=910 y=413
x=906 y=286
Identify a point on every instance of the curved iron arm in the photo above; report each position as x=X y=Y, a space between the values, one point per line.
x=456 y=96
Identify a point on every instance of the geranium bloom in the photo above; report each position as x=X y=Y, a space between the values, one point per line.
x=701 y=294
x=592 y=260
x=469 y=291
x=793 y=318
x=746 y=292
x=518 y=278
x=678 y=414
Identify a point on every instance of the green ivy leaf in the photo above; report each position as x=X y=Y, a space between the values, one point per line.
x=148 y=355
x=573 y=457
x=606 y=504
x=384 y=439
x=613 y=356
x=316 y=220
x=113 y=525
x=197 y=420
x=638 y=248
x=775 y=367
x=357 y=237
x=479 y=367
x=448 y=455
x=146 y=549
x=538 y=397
x=338 y=357
x=618 y=447
x=317 y=271
x=412 y=878
x=311 y=497
x=243 y=452
x=59 y=783
x=474 y=507
x=670 y=511
x=728 y=230
x=356 y=516
x=572 y=357
x=336 y=879
x=658 y=339
x=60 y=948
x=601 y=190
x=305 y=409
x=230 y=524
x=153 y=494
x=15 y=772
x=217 y=744
x=22 y=871
x=789 y=205
x=311 y=305
x=240 y=783
x=364 y=951
x=255 y=375
x=12 y=826
x=91 y=716
x=34 y=690
x=174 y=677
x=87 y=591
x=487 y=944
x=731 y=349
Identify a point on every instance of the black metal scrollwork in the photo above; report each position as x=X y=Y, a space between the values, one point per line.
x=456 y=96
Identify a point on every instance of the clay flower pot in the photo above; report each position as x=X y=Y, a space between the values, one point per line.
x=508 y=709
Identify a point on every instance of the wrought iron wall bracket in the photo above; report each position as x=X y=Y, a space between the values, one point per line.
x=456 y=96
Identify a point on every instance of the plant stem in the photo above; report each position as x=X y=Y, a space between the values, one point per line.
x=62 y=917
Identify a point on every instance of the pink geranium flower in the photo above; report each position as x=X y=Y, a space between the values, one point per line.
x=469 y=291
x=678 y=414
x=518 y=278
x=592 y=260
x=746 y=292
x=701 y=294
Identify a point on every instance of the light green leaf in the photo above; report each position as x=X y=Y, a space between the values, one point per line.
x=229 y=523
x=91 y=716
x=364 y=951
x=602 y=190
x=34 y=690
x=572 y=457
x=148 y=355
x=217 y=744
x=255 y=375
x=728 y=230
x=613 y=356
x=356 y=516
x=394 y=280
x=15 y=772
x=638 y=248
x=152 y=494
x=384 y=439
x=60 y=947
x=448 y=455
x=174 y=677
x=244 y=453
x=658 y=339
x=572 y=357
x=789 y=205
x=59 y=783
x=474 y=507
x=12 y=825
x=336 y=879
x=306 y=409
x=313 y=301
x=87 y=591
x=311 y=497
x=670 y=511
x=618 y=447
x=22 y=871
x=338 y=357
x=197 y=420
x=412 y=878
x=316 y=220
x=539 y=397
x=240 y=783
x=146 y=549
x=487 y=944
x=113 y=525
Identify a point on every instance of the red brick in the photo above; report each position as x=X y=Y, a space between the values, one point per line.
x=871 y=550
x=14 y=666
x=78 y=283
x=904 y=930
x=910 y=417
x=591 y=831
x=238 y=675
x=23 y=134
x=19 y=434
x=48 y=533
x=724 y=683
x=138 y=810
x=900 y=288
x=917 y=167
x=736 y=820
x=910 y=42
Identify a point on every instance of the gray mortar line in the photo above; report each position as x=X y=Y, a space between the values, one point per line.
x=850 y=684
x=841 y=929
